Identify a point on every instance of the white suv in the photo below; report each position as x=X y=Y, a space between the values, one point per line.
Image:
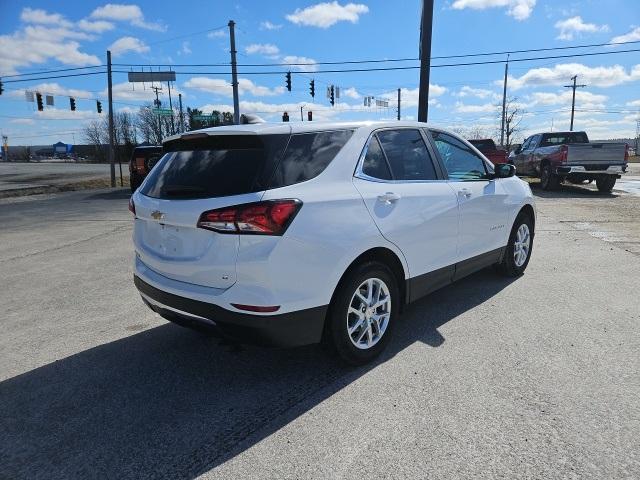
x=297 y=233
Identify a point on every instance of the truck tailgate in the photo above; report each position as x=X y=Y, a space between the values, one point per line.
x=596 y=153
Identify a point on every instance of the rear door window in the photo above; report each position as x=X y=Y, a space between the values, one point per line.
x=374 y=164
x=307 y=155
x=407 y=154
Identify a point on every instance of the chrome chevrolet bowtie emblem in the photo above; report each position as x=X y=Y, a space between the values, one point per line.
x=157 y=215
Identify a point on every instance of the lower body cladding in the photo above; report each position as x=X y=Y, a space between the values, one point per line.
x=290 y=329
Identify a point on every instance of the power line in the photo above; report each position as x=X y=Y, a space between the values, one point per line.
x=42 y=72
x=412 y=67
x=54 y=76
x=391 y=60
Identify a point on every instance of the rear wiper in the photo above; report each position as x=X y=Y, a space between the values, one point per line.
x=177 y=190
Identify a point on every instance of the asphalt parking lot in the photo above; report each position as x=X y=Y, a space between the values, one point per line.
x=537 y=377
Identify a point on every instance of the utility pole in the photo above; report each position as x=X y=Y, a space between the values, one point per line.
x=573 y=98
x=157 y=103
x=301 y=117
x=112 y=165
x=504 y=101
x=173 y=126
x=426 y=27
x=234 y=73
x=398 y=104
x=181 y=114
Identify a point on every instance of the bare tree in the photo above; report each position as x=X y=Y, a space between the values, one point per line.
x=94 y=134
x=514 y=114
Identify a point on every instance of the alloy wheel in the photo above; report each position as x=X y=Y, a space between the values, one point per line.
x=368 y=313
x=521 y=245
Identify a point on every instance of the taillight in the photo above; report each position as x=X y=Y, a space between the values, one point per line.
x=564 y=153
x=271 y=217
x=132 y=206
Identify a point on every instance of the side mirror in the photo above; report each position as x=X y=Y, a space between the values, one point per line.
x=504 y=170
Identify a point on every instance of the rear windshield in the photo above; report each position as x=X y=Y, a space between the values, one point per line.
x=483 y=145
x=563 y=138
x=224 y=165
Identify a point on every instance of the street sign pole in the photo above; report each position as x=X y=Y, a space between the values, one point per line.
x=112 y=166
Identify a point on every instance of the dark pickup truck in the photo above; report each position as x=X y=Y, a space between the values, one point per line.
x=142 y=161
x=558 y=156
x=489 y=149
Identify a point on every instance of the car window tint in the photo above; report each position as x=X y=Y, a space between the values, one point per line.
x=374 y=163
x=460 y=161
x=307 y=155
x=407 y=154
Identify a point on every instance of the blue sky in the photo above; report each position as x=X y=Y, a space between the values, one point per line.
x=39 y=35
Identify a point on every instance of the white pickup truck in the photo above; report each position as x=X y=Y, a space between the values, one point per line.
x=558 y=156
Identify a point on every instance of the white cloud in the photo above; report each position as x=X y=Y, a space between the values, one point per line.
x=634 y=103
x=518 y=9
x=350 y=92
x=561 y=74
x=467 y=91
x=39 y=16
x=262 y=48
x=632 y=36
x=267 y=25
x=574 y=26
x=126 y=13
x=220 y=86
x=324 y=15
x=98 y=26
x=186 y=49
x=306 y=64
x=128 y=44
x=484 y=108
x=53 y=89
x=583 y=99
x=38 y=44
x=22 y=121
x=66 y=114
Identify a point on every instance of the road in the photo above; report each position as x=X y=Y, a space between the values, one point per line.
x=488 y=378
x=15 y=176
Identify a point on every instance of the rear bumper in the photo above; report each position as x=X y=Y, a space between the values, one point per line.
x=610 y=170
x=290 y=329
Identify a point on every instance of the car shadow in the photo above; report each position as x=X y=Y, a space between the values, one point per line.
x=169 y=402
x=570 y=191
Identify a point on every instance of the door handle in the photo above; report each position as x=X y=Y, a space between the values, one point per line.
x=389 y=198
x=465 y=192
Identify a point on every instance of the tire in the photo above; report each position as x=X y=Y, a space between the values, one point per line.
x=548 y=180
x=606 y=184
x=134 y=182
x=342 y=313
x=513 y=265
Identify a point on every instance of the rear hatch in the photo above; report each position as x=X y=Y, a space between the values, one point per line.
x=199 y=174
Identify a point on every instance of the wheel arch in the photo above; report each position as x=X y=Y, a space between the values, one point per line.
x=530 y=212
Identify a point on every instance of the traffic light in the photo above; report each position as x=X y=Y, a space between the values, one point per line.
x=1 y=88
x=39 y=102
x=72 y=103
x=289 y=81
x=285 y=117
x=332 y=98
x=99 y=106
x=310 y=116
x=312 y=88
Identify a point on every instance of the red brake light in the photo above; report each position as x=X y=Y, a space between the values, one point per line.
x=257 y=308
x=132 y=206
x=271 y=217
x=564 y=153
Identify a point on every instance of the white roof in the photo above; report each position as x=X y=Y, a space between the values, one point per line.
x=290 y=127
